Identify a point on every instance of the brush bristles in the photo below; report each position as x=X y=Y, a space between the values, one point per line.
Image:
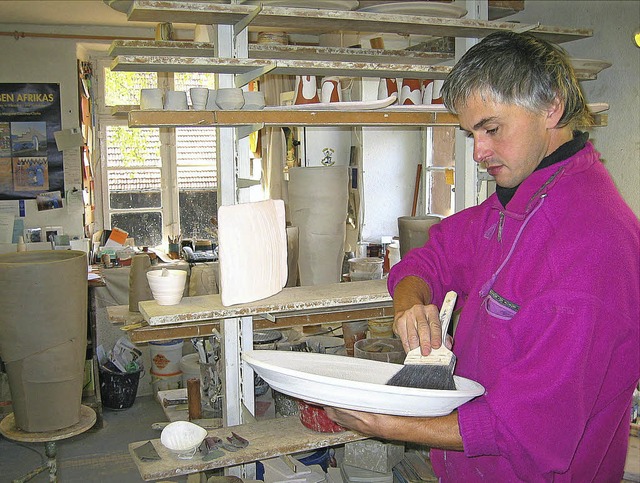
x=426 y=376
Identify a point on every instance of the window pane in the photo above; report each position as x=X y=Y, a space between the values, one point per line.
x=197 y=208
x=123 y=88
x=127 y=147
x=183 y=81
x=144 y=227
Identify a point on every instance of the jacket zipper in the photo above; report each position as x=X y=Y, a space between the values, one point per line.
x=500 y=226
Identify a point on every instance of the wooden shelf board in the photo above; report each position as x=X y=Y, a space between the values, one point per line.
x=355 y=68
x=323 y=21
x=188 y=330
x=290 y=118
x=289 y=299
x=267 y=439
x=281 y=52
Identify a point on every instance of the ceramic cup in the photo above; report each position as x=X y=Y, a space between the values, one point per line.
x=230 y=98
x=427 y=91
x=410 y=92
x=253 y=100
x=199 y=97
x=347 y=86
x=151 y=99
x=211 y=100
x=306 y=90
x=331 y=91
x=387 y=87
x=436 y=97
x=176 y=101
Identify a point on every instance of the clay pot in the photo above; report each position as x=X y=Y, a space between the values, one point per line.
x=43 y=322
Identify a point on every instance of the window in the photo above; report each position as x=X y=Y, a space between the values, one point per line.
x=155 y=182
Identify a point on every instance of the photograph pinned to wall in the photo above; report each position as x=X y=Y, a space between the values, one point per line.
x=30 y=174
x=30 y=162
x=33 y=235
x=50 y=232
x=49 y=200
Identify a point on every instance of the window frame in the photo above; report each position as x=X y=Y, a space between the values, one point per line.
x=169 y=189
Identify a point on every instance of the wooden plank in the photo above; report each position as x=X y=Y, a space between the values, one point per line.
x=267 y=439
x=119 y=314
x=290 y=299
x=356 y=67
x=317 y=21
x=346 y=54
x=164 y=63
x=188 y=330
x=291 y=118
x=283 y=52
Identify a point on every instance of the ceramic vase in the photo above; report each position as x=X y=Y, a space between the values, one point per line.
x=43 y=322
x=410 y=94
x=414 y=231
x=138 y=284
x=306 y=90
x=318 y=199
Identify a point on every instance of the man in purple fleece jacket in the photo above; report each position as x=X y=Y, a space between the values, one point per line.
x=548 y=275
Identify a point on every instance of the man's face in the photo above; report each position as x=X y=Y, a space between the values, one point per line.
x=508 y=140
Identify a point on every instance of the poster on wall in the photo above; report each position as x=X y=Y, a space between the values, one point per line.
x=30 y=163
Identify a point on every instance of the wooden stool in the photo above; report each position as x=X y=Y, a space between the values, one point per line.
x=9 y=430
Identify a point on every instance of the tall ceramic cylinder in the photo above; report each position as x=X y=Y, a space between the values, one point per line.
x=43 y=327
x=318 y=200
x=138 y=284
x=414 y=231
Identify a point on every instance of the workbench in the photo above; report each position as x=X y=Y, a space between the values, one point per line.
x=201 y=316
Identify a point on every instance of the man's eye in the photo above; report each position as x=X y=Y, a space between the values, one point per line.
x=492 y=131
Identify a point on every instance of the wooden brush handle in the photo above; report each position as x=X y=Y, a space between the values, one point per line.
x=446 y=311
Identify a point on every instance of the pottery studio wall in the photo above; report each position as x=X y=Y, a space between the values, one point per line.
x=37 y=60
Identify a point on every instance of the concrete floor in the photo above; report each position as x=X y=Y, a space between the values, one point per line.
x=99 y=455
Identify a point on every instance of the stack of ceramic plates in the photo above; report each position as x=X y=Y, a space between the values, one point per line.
x=351 y=474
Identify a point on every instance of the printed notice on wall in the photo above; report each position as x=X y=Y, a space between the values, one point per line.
x=30 y=163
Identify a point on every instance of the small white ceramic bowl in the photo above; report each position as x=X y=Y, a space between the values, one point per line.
x=167 y=286
x=253 y=101
x=230 y=98
x=182 y=438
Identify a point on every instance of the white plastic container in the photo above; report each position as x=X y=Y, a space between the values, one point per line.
x=166 y=383
x=166 y=357
x=190 y=367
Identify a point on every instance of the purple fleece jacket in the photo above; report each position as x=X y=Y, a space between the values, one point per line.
x=550 y=290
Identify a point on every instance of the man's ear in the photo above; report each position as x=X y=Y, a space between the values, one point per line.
x=554 y=113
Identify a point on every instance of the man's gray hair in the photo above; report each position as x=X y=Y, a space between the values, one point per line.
x=519 y=69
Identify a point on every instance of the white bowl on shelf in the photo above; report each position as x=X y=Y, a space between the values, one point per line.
x=230 y=98
x=182 y=438
x=167 y=286
x=253 y=101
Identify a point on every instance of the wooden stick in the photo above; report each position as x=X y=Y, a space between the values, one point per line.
x=416 y=190
x=193 y=398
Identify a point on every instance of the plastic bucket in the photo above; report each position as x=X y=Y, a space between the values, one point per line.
x=190 y=367
x=118 y=389
x=166 y=383
x=166 y=357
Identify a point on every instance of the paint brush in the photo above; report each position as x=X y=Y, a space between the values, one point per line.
x=434 y=371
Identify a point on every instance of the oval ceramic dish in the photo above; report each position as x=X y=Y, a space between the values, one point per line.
x=351 y=383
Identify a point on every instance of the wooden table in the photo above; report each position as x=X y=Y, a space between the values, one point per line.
x=267 y=439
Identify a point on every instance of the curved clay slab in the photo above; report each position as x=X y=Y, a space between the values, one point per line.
x=252 y=250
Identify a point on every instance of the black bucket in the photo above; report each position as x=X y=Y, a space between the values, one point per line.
x=118 y=389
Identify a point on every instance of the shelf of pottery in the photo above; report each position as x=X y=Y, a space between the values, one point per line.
x=183 y=56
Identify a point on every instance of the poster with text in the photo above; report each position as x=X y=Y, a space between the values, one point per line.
x=30 y=162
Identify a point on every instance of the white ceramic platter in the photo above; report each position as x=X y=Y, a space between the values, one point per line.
x=427 y=9
x=320 y=4
x=352 y=383
x=337 y=106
